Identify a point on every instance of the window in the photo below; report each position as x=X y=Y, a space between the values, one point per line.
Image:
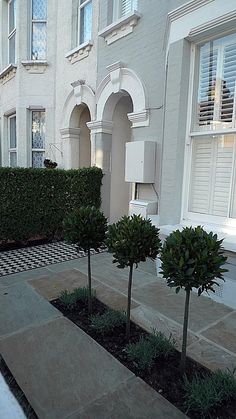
x=123 y=7
x=11 y=31
x=39 y=30
x=12 y=141
x=212 y=189
x=84 y=21
x=38 y=138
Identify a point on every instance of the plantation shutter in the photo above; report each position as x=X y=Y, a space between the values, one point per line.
x=228 y=83
x=207 y=82
x=217 y=78
x=211 y=175
x=127 y=6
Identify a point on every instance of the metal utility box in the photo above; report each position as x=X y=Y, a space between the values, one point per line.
x=140 y=162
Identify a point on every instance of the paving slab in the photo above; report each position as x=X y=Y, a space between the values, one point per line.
x=60 y=368
x=203 y=310
x=212 y=356
x=133 y=400
x=224 y=333
x=51 y=286
x=150 y=319
x=113 y=298
x=22 y=276
x=21 y=306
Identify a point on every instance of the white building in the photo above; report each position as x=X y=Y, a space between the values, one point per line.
x=82 y=81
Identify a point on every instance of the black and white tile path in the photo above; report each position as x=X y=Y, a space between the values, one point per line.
x=14 y=261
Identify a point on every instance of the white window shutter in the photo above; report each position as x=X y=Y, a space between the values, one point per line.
x=127 y=6
x=228 y=83
x=211 y=175
x=201 y=176
x=207 y=82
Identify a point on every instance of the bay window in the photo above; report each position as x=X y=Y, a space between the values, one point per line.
x=39 y=30
x=84 y=23
x=212 y=188
x=11 y=31
x=38 y=138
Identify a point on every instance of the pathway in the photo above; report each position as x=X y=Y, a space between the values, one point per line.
x=62 y=371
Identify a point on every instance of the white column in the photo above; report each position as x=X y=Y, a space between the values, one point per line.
x=101 y=142
x=70 y=140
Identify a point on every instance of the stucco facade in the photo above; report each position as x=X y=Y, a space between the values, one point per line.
x=133 y=79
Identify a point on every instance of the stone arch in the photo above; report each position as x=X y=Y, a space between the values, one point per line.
x=122 y=81
x=81 y=94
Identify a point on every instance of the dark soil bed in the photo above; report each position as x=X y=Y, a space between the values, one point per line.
x=22 y=245
x=164 y=377
x=15 y=389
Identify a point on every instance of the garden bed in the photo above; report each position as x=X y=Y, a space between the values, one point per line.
x=164 y=376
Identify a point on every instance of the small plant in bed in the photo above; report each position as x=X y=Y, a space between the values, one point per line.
x=70 y=299
x=108 y=321
x=204 y=394
x=86 y=227
x=144 y=353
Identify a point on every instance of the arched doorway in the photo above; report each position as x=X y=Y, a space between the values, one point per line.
x=80 y=116
x=121 y=108
x=120 y=190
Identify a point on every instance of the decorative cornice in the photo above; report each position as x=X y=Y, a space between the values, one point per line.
x=70 y=132
x=80 y=52
x=115 y=66
x=139 y=119
x=99 y=127
x=35 y=66
x=227 y=20
x=120 y=28
x=8 y=73
x=78 y=83
x=115 y=71
x=10 y=112
x=187 y=8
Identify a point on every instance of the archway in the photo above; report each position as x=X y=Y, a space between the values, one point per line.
x=78 y=110
x=79 y=118
x=120 y=194
x=121 y=106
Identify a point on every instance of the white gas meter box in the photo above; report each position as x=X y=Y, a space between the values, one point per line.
x=143 y=208
x=140 y=160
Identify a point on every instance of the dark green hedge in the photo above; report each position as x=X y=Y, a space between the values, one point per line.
x=34 y=202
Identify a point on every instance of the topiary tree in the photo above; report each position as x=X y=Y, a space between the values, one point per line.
x=192 y=258
x=132 y=240
x=86 y=227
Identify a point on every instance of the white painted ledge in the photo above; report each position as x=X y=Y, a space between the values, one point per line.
x=35 y=66
x=80 y=52
x=8 y=73
x=120 y=28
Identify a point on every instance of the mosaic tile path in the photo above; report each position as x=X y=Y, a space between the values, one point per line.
x=14 y=261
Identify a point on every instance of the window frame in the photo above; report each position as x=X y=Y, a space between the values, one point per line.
x=117 y=9
x=43 y=150
x=11 y=33
x=31 y=33
x=11 y=150
x=81 y=6
x=191 y=135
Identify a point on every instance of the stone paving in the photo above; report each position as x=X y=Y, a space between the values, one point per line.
x=62 y=371
x=65 y=374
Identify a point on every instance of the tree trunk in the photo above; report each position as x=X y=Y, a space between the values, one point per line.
x=89 y=284
x=185 y=333
x=129 y=302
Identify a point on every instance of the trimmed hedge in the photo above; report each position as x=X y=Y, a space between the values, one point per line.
x=34 y=202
